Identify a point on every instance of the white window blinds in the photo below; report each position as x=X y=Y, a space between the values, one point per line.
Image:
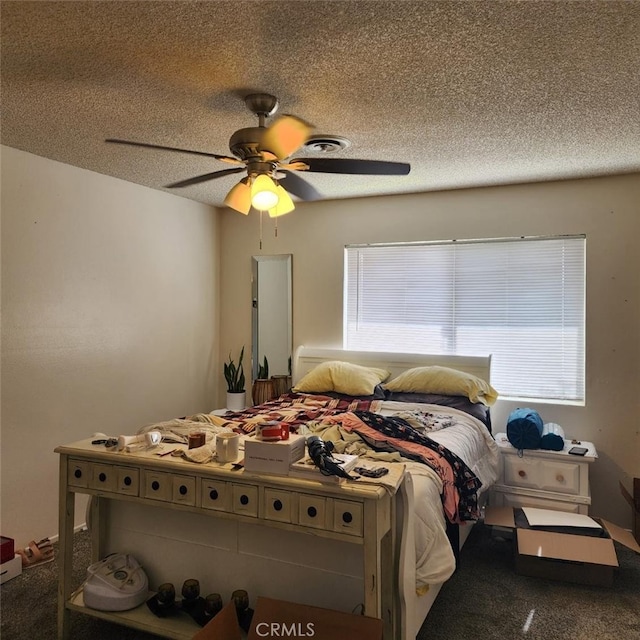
x=520 y=300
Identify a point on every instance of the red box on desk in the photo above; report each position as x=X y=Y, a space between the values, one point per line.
x=7 y=549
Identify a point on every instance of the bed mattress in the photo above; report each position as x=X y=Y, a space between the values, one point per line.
x=471 y=441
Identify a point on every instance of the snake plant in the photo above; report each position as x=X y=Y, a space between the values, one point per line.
x=234 y=374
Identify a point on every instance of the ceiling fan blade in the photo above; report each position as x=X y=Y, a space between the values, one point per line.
x=157 y=146
x=298 y=187
x=361 y=167
x=285 y=135
x=204 y=177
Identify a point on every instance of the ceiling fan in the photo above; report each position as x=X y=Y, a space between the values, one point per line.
x=264 y=153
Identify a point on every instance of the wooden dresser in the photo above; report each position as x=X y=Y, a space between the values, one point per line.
x=204 y=505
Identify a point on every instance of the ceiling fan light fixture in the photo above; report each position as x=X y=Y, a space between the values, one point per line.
x=239 y=198
x=264 y=193
x=285 y=204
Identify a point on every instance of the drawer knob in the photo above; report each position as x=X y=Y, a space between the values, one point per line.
x=102 y=477
x=155 y=485
x=347 y=517
x=183 y=490
x=127 y=481
x=522 y=473
x=277 y=505
x=560 y=478
x=244 y=499
x=77 y=473
x=312 y=512
x=213 y=494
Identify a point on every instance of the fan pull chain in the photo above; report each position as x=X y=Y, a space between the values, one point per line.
x=260 y=229
x=276 y=221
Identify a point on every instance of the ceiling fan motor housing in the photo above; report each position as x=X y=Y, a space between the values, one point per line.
x=244 y=143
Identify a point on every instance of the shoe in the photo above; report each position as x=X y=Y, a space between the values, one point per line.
x=36 y=553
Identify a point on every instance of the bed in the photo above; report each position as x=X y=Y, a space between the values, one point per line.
x=434 y=511
x=425 y=555
x=427 y=416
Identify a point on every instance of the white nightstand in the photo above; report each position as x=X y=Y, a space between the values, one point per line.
x=540 y=478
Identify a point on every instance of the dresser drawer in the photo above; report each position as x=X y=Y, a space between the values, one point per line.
x=78 y=473
x=277 y=505
x=312 y=511
x=215 y=494
x=183 y=490
x=550 y=475
x=128 y=480
x=103 y=477
x=245 y=499
x=347 y=517
x=157 y=485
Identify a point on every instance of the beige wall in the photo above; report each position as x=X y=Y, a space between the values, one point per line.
x=110 y=317
x=607 y=210
x=109 y=320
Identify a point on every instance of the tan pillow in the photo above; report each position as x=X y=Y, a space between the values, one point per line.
x=443 y=380
x=342 y=377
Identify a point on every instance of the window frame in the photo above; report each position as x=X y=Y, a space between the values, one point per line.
x=569 y=251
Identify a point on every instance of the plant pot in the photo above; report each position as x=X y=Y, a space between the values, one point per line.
x=263 y=390
x=236 y=401
x=282 y=383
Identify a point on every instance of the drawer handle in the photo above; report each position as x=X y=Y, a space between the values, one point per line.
x=522 y=473
x=213 y=494
x=77 y=473
x=347 y=517
x=127 y=481
x=183 y=490
x=244 y=499
x=102 y=477
x=155 y=485
x=560 y=478
x=277 y=505
x=312 y=512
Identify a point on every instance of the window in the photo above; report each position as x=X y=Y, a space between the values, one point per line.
x=520 y=300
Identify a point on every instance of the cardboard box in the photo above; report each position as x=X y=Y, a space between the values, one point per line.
x=634 y=502
x=11 y=569
x=280 y=619
x=571 y=557
x=273 y=457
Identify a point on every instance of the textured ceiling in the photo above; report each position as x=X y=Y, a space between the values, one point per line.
x=469 y=93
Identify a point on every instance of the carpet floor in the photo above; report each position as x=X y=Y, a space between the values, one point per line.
x=484 y=600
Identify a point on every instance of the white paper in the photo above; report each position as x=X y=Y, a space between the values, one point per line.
x=549 y=518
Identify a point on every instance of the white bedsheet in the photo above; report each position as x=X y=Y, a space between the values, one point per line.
x=471 y=441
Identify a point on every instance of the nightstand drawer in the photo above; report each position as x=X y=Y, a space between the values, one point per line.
x=533 y=473
x=561 y=477
x=520 y=500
